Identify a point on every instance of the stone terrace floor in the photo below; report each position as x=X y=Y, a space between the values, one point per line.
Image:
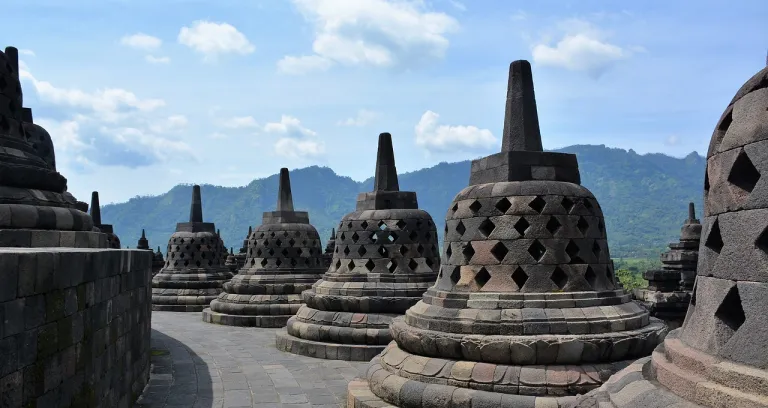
x=201 y=365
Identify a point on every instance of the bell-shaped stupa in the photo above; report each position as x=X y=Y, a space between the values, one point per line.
x=157 y=262
x=194 y=269
x=112 y=239
x=526 y=310
x=284 y=259
x=35 y=208
x=231 y=262
x=719 y=358
x=242 y=253
x=386 y=255
x=329 y=247
x=143 y=242
x=669 y=288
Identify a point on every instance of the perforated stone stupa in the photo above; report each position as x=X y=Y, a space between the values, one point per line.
x=719 y=358
x=157 y=262
x=35 y=208
x=526 y=311
x=112 y=239
x=386 y=255
x=231 y=262
x=242 y=253
x=329 y=247
x=194 y=269
x=669 y=289
x=284 y=259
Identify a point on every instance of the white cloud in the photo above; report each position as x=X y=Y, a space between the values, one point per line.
x=672 y=140
x=141 y=41
x=296 y=141
x=301 y=65
x=433 y=136
x=173 y=123
x=212 y=39
x=241 y=122
x=363 y=118
x=157 y=60
x=218 y=136
x=379 y=33
x=29 y=53
x=519 y=15
x=458 y=5
x=582 y=48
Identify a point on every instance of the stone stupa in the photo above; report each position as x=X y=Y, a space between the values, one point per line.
x=669 y=289
x=39 y=138
x=194 y=269
x=284 y=259
x=329 y=247
x=719 y=358
x=386 y=255
x=231 y=262
x=112 y=240
x=143 y=242
x=526 y=311
x=157 y=261
x=242 y=253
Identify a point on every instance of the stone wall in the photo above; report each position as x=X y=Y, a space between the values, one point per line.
x=74 y=326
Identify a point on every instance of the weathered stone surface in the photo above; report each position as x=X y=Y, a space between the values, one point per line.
x=284 y=259
x=231 y=262
x=526 y=310
x=194 y=269
x=719 y=357
x=112 y=239
x=385 y=256
x=329 y=248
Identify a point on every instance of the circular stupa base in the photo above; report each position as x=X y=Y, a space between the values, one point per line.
x=178 y=308
x=402 y=392
x=330 y=351
x=267 y=321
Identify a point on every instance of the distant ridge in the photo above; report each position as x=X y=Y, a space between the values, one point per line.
x=644 y=199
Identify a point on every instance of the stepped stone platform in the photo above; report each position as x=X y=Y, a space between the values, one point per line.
x=719 y=358
x=385 y=256
x=669 y=289
x=284 y=259
x=194 y=270
x=526 y=311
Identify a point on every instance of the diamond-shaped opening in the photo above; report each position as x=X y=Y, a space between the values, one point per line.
x=285 y=233
x=445 y=229
x=591 y=277
x=343 y=236
x=370 y=265
x=374 y=237
x=198 y=264
x=291 y=242
x=420 y=249
x=448 y=251
x=349 y=225
x=761 y=242
x=499 y=251
x=460 y=228
x=455 y=275
x=351 y=265
x=278 y=262
x=730 y=311
x=264 y=262
x=503 y=205
x=392 y=237
x=355 y=237
x=553 y=225
x=582 y=225
x=413 y=264
x=338 y=264
x=537 y=204
x=382 y=225
x=521 y=225
x=573 y=252
x=596 y=249
x=391 y=266
x=588 y=204
x=346 y=250
x=468 y=251
x=601 y=226
x=519 y=277
x=293 y=262
x=482 y=277
x=455 y=207
x=272 y=234
x=706 y=181
x=559 y=277
x=429 y=262
x=537 y=250
x=714 y=239
x=271 y=252
x=743 y=174
x=383 y=251
x=299 y=251
x=403 y=250
x=285 y=252
x=278 y=242
x=401 y=224
x=364 y=224
x=567 y=203
x=486 y=227
x=475 y=206
x=413 y=235
x=361 y=251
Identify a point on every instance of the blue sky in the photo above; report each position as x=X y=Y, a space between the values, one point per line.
x=140 y=95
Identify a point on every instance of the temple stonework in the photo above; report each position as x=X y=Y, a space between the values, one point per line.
x=194 y=269
x=385 y=256
x=329 y=247
x=231 y=262
x=242 y=253
x=719 y=358
x=112 y=240
x=526 y=311
x=669 y=289
x=284 y=259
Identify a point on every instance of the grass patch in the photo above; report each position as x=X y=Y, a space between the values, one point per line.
x=159 y=352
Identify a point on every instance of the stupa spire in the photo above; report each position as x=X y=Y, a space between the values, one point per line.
x=284 y=196
x=386 y=173
x=691 y=213
x=196 y=209
x=95 y=208
x=521 y=120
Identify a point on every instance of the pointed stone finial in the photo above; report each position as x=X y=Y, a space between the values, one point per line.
x=231 y=250
x=691 y=212
x=95 y=208
x=521 y=120
x=333 y=232
x=250 y=230
x=143 y=236
x=284 y=196
x=218 y=233
x=196 y=209
x=386 y=173
x=13 y=57
x=158 y=248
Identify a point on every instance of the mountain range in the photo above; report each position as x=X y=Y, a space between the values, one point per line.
x=644 y=199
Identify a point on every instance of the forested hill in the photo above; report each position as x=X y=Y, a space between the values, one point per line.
x=644 y=199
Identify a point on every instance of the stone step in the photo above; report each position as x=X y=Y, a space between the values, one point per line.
x=678 y=379
x=687 y=358
x=740 y=377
